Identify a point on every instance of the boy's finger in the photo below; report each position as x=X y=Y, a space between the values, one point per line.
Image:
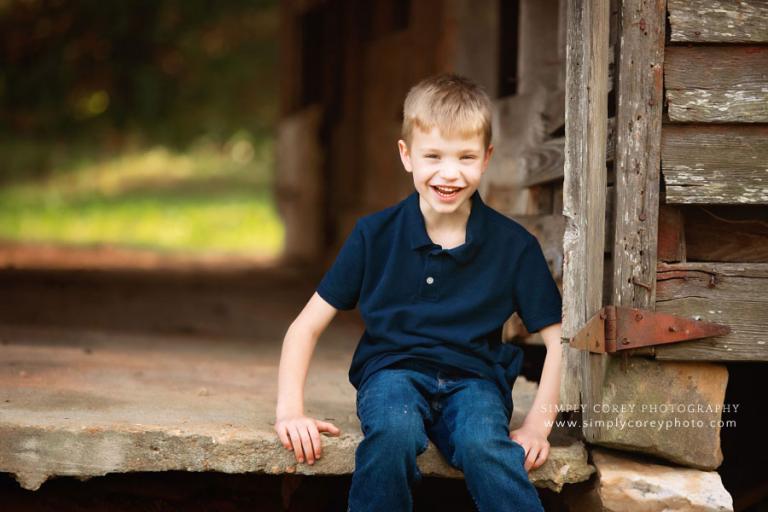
x=324 y=426
x=296 y=442
x=306 y=444
x=529 y=460
x=284 y=437
x=314 y=435
x=542 y=457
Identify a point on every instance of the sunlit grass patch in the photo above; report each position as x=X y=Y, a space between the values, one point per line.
x=208 y=199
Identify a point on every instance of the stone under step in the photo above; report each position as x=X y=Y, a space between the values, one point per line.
x=627 y=481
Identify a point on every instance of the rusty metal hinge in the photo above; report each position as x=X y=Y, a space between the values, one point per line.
x=615 y=328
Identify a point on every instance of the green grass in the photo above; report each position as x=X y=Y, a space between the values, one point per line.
x=210 y=199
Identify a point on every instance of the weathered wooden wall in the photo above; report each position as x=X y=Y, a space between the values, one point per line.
x=618 y=222
x=715 y=170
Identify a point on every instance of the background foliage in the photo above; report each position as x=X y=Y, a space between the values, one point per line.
x=139 y=112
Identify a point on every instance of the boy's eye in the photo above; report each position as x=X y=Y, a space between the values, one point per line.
x=468 y=157
x=430 y=156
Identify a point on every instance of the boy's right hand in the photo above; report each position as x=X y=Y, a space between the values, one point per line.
x=302 y=435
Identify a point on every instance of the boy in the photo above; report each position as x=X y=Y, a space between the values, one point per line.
x=435 y=277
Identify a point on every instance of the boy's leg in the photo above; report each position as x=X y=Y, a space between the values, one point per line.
x=392 y=412
x=472 y=431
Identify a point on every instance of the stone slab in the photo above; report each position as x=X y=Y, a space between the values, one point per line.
x=84 y=403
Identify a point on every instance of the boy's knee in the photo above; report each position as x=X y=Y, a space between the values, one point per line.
x=400 y=430
x=479 y=443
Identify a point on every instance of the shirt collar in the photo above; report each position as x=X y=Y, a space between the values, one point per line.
x=417 y=231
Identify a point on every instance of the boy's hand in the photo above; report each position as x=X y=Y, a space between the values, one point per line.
x=302 y=435
x=535 y=444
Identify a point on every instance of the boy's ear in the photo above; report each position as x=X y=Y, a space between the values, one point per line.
x=405 y=154
x=488 y=153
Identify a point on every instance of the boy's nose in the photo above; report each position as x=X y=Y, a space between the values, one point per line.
x=450 y=171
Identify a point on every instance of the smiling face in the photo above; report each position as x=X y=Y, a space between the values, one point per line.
x=446 y=170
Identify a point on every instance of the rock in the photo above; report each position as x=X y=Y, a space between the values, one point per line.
x=668 y=409
x=627 y=482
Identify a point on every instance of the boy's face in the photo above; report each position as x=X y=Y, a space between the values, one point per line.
x=446 y=171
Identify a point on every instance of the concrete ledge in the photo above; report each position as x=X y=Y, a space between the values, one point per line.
x=33 y=455
x=87 y=404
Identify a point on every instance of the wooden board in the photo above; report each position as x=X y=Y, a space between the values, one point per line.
x=545 y=163
x=726 y=233
x=584 y=185
x=734 y=294
x=671 y=234
x=638 y=133
x=717 y=84
x=715 y=164
x=726 y=21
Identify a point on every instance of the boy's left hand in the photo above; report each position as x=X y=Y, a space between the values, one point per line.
x=535 y=444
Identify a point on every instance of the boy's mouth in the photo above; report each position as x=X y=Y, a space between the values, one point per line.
x=446 y=192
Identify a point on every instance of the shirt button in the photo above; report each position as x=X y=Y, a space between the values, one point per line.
x=430 y=280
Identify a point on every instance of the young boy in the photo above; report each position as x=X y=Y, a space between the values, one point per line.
x=435 y=277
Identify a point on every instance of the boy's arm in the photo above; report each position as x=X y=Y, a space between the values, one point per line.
x=298 y=432
x=532 y=435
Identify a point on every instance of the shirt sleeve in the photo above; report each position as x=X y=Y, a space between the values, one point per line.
x=537 y=297
x=340 y=286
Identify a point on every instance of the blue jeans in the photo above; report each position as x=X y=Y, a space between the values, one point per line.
x=402 y=406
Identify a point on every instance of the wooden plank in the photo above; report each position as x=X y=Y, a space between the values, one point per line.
x=546 y=162
x=638 y=133
x=715 y=164
x=727 y=21
x=638 y=155
x=726 y=233
x=516 y=121
x=671 y=241
x=714 y=84
x=734 y=294
x=584 y=185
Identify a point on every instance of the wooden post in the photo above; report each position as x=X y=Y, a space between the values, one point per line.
x=584 y=193
x=638 y=146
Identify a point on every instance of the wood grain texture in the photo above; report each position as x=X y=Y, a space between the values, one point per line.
x=734 y=294
x=717 y=84
x=671 y=234
x=726 y=233
x=715 y=163
x=725 y=21
x=546 y=162
x=638 y=132
x=584 y=185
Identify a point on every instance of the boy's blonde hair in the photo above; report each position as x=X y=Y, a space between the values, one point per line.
x=453 y=103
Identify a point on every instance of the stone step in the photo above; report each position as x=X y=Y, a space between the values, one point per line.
x=87 y=403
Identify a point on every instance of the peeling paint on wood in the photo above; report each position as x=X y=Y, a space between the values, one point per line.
x=715 y=164
x=717 y=84
x=725 y=21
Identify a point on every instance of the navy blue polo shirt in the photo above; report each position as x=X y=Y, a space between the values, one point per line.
x=441 y=306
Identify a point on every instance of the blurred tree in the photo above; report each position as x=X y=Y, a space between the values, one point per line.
x=165 y=71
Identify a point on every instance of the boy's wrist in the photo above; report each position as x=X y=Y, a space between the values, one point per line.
x=539 y=423
x=288 y=410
